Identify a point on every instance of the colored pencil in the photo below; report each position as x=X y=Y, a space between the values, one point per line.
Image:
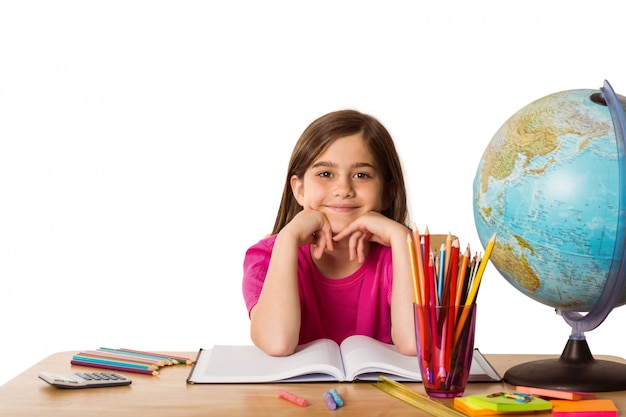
x=165 y=361
x=425 y=249
x=115 y=356
x=104 y=361
x=471 y=297
x=414 y=270
x=420 y=263
x=462 y=277
x=448 y=243
x=114 y=367
x=175 y=359
x=441 y=273
x=432 y=295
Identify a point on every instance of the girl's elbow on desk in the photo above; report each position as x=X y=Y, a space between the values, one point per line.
x=274 y=346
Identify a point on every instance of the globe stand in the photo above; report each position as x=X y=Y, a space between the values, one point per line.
x=575 y=370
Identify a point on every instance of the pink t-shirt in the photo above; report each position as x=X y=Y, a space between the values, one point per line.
x=331 y=308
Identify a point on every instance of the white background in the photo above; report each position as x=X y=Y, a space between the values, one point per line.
x=144 y=143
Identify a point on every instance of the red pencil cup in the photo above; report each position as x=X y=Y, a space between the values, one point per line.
x=445 y=345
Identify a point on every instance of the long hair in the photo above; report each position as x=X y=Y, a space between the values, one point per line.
x=319 y=135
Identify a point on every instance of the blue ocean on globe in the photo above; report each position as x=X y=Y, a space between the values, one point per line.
x=548 y=186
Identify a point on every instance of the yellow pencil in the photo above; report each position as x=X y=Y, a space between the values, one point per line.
x=417 y=244
x=414 y=267
x=471 y=296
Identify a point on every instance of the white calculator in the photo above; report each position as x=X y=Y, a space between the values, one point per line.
x=85 y=379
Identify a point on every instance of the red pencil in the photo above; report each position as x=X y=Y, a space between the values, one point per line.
x=451 y=322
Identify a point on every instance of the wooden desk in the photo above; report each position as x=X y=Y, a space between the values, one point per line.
x=170 y=395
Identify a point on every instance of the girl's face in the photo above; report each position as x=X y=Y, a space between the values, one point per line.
x=344 y=182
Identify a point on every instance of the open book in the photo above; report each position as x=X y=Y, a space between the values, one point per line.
x=359 y=358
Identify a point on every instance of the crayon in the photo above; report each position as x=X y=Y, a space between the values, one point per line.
x=292 y=398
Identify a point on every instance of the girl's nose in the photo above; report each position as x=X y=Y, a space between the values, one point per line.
x=343 y=188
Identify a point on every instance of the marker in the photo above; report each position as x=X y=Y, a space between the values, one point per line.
x=330 y=402
x=292 y=398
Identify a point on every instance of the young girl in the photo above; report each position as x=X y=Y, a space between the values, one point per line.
x=337 y=261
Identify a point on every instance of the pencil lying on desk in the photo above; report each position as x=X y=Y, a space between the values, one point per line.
x=114 y=362
x=174 y=359
x=125 y=358
x=114 y=367
x=167 y=359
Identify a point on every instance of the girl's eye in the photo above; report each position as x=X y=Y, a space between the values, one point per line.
x=362 y=175
x=324 y=174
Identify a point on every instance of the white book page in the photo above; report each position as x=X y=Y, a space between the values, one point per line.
x=316 y=361
x=365 y=358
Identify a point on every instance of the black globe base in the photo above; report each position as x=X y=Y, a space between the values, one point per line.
x=575 y=370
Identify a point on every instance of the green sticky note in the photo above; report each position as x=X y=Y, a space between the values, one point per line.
x=502 y=403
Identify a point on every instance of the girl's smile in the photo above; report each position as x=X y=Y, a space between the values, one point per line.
x=341 y=208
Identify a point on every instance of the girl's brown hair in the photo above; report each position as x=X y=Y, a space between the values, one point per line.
x=318 y=136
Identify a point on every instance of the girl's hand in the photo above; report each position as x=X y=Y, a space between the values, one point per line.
x=311 y=226
x=373 y=227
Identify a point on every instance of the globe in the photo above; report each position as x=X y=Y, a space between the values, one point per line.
x=552 y=185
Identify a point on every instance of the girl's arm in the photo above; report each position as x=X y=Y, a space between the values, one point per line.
x=381 y=229
x=275 y=319
x=402 y=313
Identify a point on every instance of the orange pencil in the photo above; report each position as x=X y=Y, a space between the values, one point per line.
x=416 y=272
x=461 y=277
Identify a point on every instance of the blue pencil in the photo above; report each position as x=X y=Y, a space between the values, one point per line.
x=441 y=273
x=112 y=362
